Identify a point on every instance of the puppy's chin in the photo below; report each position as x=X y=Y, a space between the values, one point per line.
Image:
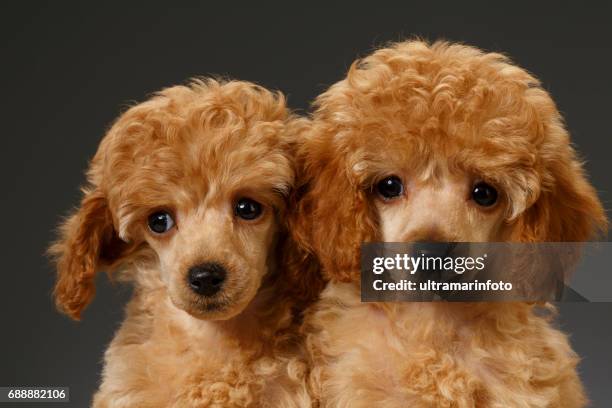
x=217 y=308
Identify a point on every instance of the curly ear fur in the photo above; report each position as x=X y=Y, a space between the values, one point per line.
x=332 y=216
x=568 y=210
x=301 y=269
x=87 y=241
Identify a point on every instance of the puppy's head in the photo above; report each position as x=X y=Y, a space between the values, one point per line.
x=189 y=186
x=438 y=143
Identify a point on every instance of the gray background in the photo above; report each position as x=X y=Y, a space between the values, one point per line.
x=69 y=69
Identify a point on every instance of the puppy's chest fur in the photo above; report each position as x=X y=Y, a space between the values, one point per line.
x=436 y=355
x=161 y=356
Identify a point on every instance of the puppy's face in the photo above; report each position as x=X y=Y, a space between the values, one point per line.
x=438 y=143
x=189 y=188
x=214 y=253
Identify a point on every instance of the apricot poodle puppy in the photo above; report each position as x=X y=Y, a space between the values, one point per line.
x=437 y=142
x=186 y=197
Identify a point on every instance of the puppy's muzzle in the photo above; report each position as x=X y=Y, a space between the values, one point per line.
x=206 y=279
x=437 y=250
x=434 y=249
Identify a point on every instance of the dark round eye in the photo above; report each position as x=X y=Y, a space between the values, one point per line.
x=390 y=187
x=248 y=209
x=484 y=194
x=160 y=222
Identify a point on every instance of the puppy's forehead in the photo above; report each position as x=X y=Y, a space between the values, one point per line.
x=201 y=159
x=446 y=94
x=175 y=148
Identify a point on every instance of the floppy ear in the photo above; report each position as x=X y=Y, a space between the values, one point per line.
x=568 y=211
x=301 y=268
x=87 y=241
x=332 y=216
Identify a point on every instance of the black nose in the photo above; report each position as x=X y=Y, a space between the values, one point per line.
x=206 y=279
x=434 y=249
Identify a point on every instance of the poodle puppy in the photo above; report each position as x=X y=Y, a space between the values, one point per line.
x=186 y=198
x=437 y=142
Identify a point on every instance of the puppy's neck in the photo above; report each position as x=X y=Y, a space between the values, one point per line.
x=452 y=314
x=268 y=313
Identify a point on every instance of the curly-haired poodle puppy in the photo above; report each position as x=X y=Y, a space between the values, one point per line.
x=186 y=197
x=437 y=142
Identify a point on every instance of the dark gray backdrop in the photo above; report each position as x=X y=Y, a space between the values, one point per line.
x=68 y=70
